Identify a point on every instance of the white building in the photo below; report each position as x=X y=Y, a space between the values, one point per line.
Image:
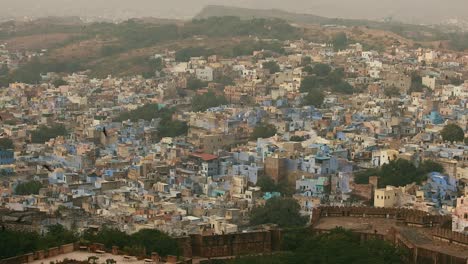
x=205 y=74
x=250 y=171
x=429 y=81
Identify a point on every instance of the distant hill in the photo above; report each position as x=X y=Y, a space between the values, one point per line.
x=247 y=13
x=408 y=11
x=412 y=31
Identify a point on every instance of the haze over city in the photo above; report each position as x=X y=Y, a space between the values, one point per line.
x=233 y=132
x=412 y=11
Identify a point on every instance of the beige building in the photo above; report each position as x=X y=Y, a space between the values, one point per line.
x=462 y=172
x=429 y=81
x=396 y=79
x=460 y=216
x=275 y=168
x=393 y=197
x=209 y=142
x=214 y=142
x=385 y=197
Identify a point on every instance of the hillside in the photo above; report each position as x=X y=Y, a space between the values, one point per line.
x=416 y=32
x=124 y=48
x=247 y=13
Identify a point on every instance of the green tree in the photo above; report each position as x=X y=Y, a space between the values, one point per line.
x=335 y=77
x=306 y=61
x=146 y=112
x=267 y=184
x=31 y=71
x=15 y=243
x=169 y=127
x=343 y=246
x=108 y=236
x=399 y=172
x=416 y=83
x=110 y=50
x=28 y=188
x=271 y=66
x=195 y=84
x=58 y=235
x=185 y=54
x=430 y=166
x=314 y=97
x=205 y=101
x=172 y=128
x=326 y=78
x=452 y=133
x=332 y=248
x=4 y=70
x=59 y=82
x=151 y=66
x=308 y=69
x=285 y=212
x=297 y=138
x=362 y=177
x=343 y=87
x=44 y=133
x=156 y=241
x=309 y=83
x=340 y=41
x=224 y=80
x=156 y=64
x=263 y=131
x=458 y=41
x=6 y=143
x=5 y=81
x=145 y=240
x=391 y=91
x=321 y=69
x=226 y=26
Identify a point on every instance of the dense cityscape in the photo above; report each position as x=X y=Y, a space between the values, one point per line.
x=282 y=150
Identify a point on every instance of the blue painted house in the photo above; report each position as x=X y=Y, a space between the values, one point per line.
x=7 y=157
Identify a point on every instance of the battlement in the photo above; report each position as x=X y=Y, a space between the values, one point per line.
x=404 y=216
x=41 y=254
x=415 y=231
x=210 y=246
x=450 y=237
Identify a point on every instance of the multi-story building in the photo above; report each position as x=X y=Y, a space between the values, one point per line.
x=460 y=215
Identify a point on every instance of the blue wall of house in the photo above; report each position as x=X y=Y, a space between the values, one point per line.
x=7 y=157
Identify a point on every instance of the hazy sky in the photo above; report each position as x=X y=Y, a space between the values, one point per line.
x=407 y=10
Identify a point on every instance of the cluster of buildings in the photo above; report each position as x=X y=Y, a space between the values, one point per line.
x=122 y=173
x=12 y=60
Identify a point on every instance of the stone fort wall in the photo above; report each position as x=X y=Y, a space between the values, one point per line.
x=41 y=254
